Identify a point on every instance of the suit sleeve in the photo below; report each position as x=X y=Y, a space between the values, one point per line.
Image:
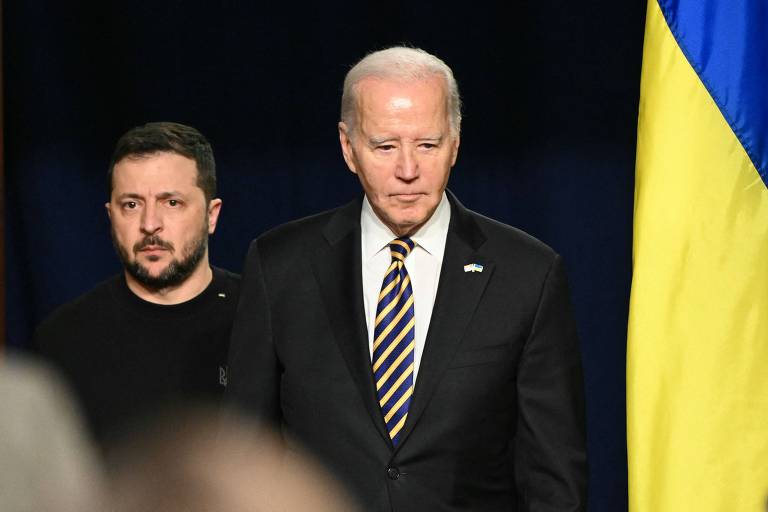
x=550 y=445
x=254 y=369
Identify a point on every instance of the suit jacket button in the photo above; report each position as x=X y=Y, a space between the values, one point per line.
x=393 y=473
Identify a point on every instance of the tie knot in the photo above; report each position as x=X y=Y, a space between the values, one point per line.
x=400 y=248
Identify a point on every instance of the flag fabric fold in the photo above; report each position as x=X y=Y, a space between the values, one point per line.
x=697 y=355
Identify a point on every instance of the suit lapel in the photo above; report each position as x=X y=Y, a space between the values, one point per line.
x=458 y=294
x=338 y=270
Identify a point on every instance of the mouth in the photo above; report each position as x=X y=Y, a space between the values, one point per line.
x=408 y=197
x=152 y=250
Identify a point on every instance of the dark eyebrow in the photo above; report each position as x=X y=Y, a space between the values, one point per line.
x=161 y=195
x=130 y=195
x=166 y=195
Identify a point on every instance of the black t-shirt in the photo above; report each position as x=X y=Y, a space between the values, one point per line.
x=128 y=359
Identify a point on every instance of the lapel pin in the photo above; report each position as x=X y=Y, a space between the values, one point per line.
x=473 y=267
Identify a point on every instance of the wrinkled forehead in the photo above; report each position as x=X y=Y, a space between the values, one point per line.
x=372 y=86
x=418 y=98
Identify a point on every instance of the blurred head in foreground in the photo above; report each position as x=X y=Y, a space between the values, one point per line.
x=197 y=462
x=46 y=461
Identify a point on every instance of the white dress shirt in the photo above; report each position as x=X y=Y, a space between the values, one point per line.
x=423 y=266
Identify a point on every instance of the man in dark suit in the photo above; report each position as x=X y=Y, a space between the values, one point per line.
x=425 y=353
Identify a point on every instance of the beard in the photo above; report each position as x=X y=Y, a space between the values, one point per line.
x=177 y=271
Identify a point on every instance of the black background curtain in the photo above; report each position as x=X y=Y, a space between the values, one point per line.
x=550 y=95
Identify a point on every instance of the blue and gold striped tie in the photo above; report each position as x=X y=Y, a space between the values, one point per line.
x=394 y=339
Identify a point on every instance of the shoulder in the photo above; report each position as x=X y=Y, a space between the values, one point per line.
x=297 y=230
x=504 y=242
x=521 y=264
x=76 y=314
x=224 y=279
x=226 y=285
x=85 y=303
x=302 y=236
x=504 y=235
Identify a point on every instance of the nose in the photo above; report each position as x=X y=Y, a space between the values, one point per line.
x=407 y=164
x=151 y=219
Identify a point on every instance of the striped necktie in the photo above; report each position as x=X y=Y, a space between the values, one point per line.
x=394 y=339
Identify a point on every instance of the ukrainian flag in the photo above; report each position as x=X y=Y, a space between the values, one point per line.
x=697 y=370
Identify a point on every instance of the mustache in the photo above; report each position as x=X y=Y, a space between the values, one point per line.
x=152 y=240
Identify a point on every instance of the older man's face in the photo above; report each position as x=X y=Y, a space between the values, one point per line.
x=402 y=149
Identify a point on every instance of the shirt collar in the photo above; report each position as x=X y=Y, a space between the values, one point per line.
x=375 y=235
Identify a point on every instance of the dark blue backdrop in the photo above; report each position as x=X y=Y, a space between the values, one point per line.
x=550 y=92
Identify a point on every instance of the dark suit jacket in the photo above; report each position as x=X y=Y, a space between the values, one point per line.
x=496 y=422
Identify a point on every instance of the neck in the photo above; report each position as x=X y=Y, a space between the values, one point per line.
x=193 y=286
x=401 y=231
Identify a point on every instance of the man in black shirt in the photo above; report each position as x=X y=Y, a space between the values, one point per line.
x=156 y=335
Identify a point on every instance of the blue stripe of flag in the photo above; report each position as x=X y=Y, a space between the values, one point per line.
x=726 y=43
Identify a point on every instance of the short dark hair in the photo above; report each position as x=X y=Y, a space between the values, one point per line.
x=168 y=137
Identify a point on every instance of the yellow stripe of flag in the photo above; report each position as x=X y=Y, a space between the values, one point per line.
x=697 y=386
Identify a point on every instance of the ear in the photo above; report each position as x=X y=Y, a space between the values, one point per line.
x=214 y=208
x=455 y=150
x=108 y=207
x=345 y=140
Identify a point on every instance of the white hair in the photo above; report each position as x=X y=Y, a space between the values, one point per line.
x=400 y=63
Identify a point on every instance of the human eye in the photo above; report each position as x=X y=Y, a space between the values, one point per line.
x=129 y=205
x=385 y=148
x=428 y=145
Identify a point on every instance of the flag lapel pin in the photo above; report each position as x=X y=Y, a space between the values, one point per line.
x=473 y=267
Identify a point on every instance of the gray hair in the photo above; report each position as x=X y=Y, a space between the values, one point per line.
x=400 y=63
